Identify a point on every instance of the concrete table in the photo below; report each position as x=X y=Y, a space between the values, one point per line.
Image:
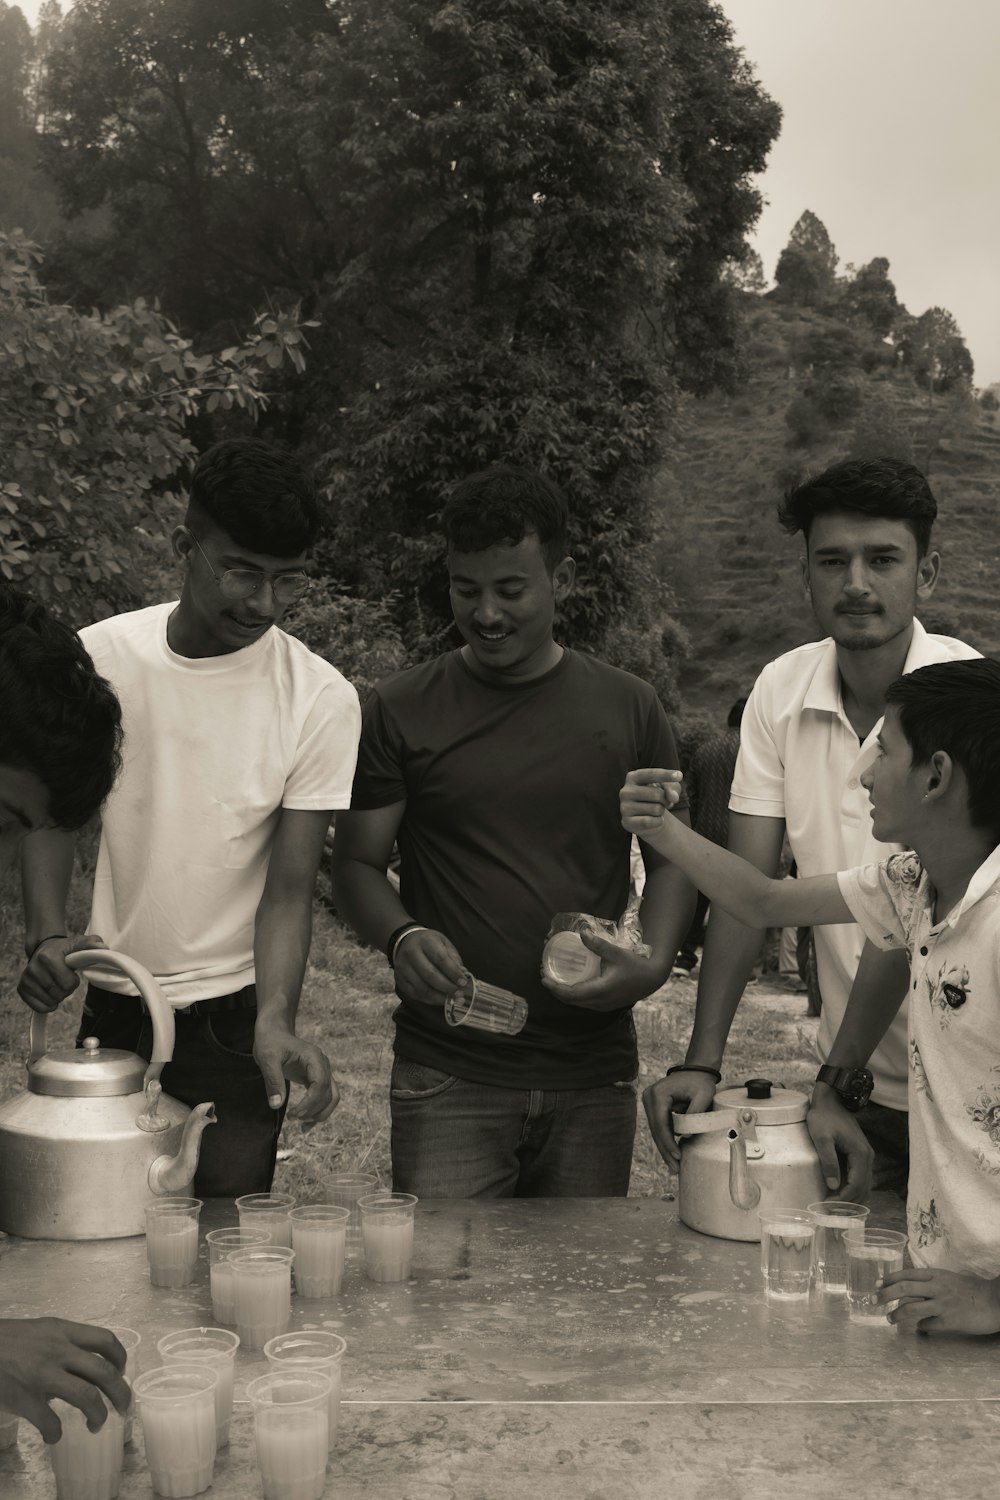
x=580 y=1349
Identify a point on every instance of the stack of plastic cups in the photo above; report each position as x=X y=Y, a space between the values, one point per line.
x=314 y=1349
x=87 y=1465
x=291 y=1432
x=211 y=1346
x=177 y=1409
x=221 y=1244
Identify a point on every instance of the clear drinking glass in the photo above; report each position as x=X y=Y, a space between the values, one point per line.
x=833 y=1218
x=786 y=1248
x=485 y=1007
x=172 y=1240
x=344 y=1189
x=87 y=1465
x=221 y=1243
x=871 y=1253
x=387 y=1234
x=267 y=1211
x=291 y=1429
x=177 y=1409
x=319 y=1239
x=262 y=1283
x=314 y=1349
x=217 y=1348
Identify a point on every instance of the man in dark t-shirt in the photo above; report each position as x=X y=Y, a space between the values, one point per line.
x=496 y=767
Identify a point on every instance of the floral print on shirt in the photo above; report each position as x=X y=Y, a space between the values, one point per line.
x=984 y=1111
x=948 y=992
x=920 y=1084
x=925 y=1224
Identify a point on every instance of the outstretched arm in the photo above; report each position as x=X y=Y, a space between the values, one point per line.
x=727 y=880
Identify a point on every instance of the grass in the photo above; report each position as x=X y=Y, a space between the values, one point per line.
x=347 y=1002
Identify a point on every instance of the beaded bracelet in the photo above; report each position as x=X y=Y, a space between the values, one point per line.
x=693 y=1068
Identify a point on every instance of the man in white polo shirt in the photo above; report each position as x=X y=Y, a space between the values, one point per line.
x=239 y=742
x=808 y=732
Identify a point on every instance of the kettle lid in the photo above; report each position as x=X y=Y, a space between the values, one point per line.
x=772 y=1104
x=87 y=1072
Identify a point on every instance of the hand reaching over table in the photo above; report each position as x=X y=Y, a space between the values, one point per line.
x=43 y=1358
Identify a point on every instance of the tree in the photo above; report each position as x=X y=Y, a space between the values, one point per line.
x=868 y=297
x=510 y=220
x=94 y=412
x=806 y=267
x=746 y=275
x=932 y=347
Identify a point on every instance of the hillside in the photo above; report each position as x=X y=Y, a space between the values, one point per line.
x=736 y=577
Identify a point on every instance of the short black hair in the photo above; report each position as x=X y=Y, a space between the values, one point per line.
x=734 y=718
x=60 y=719
x=955 y=706
x=887 y=488
x=258 y=494
x=502 y=505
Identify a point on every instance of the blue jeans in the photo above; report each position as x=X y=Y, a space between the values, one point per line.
x=456 y=1139
x=212 y=1060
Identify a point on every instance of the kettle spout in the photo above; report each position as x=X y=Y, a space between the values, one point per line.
x=172 y=1174
x=742 y=1189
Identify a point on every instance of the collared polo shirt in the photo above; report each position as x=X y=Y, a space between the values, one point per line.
x=953 y=1202
x=801 y=760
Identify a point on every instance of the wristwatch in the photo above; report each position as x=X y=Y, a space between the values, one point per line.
x=854 y=1085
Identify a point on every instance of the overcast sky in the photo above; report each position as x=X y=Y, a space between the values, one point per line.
x=890 y=135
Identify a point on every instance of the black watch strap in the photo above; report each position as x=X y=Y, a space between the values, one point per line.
x=853 y=1085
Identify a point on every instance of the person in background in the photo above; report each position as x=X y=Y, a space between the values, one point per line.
x=239 y=744
x=707 y=781
x=493 y=765
x=60 y=750
x=807 y=735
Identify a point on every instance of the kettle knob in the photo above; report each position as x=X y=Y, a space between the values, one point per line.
x=758 y=1088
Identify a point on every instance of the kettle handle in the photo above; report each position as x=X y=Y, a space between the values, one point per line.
x=159 y=1007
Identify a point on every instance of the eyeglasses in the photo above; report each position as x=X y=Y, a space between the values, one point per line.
x=240 y=583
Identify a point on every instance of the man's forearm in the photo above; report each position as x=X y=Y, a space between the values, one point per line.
x=878 y=991
x=282 y=935
x=727 y=961
x=366 y=899
x=666 y=910
x=46 y=872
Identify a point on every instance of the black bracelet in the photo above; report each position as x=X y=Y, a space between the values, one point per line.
x=693 y=1068
x=395 y=937
x=45 y=940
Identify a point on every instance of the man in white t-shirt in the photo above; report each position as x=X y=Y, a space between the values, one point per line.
x=808 y=733
x=239 y=744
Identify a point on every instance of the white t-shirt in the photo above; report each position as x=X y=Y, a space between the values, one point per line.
x=214 y=748
x=953 y=1201
x=800 y=760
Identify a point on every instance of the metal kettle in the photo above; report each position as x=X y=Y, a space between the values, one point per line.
x=94 y=1139
x=748 y=1154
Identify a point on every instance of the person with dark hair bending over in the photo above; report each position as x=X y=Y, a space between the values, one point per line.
x=239 y=744
x=808 y=732
x=60 y=740
x=492 y=766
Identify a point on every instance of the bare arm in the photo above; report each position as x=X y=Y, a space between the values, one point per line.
x=46 y=872
x=878 y=991
x=428 y=966
x=282 y=934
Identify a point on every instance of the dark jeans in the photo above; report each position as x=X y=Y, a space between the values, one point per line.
x=212 y=1060
x=888 y=1133
x=455 y=1139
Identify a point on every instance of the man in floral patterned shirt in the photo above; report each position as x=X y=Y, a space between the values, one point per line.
x=936 y=788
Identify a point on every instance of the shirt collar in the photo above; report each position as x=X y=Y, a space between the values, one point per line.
x=982 y=882
x=825 y=691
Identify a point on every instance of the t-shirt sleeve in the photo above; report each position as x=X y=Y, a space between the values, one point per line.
x=759 y=778
x=323 y=769
x=877 y=897
x=379 y=780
